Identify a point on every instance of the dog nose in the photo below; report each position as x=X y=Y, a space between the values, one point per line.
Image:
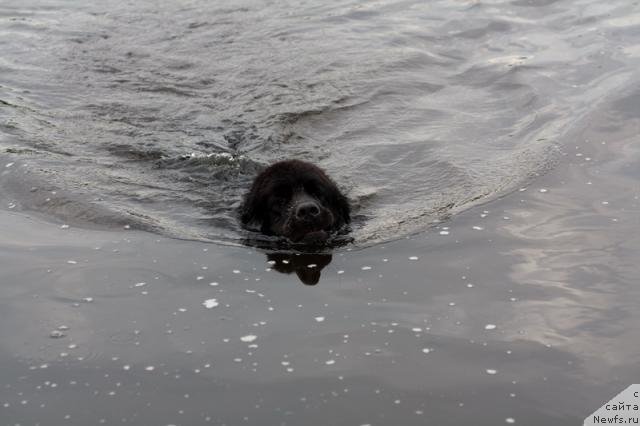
x=307 y=211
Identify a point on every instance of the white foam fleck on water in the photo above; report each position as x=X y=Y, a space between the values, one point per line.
x=330 y=362
x=71 y=262
x=490 y=327
x=149 y=368
x=319 y=319
x=478 y=228
x=366 y=268
x=340 y=272
x=491 y=371
x=413 y=257
x=210 y=303
x=543 y=190
x=426 y=350
x=416 y=329
x=139 y=284
x=509 y=420
x=64 y=227
x=248 y=338
x=213 y=284
x=444 y=232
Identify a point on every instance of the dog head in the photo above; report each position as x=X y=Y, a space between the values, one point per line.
x=296 y=200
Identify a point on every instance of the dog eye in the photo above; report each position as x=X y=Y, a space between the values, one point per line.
x=277 y=201
x=281 y=191
x=311 y=188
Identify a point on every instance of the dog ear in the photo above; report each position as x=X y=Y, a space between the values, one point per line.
x=341 y=205
x=251 y=210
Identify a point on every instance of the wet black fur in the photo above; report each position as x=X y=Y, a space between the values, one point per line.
x=271 y=203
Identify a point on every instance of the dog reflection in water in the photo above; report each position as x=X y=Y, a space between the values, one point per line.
x=307 y=266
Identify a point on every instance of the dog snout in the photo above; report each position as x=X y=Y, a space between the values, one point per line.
x=307 y=211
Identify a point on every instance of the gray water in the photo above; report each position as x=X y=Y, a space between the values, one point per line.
x=516 y=125
x=157 y=115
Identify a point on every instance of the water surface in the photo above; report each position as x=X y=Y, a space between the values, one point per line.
x=159 y=114
x=515 y=124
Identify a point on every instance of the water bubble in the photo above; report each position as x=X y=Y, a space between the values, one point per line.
x=56 y=334
x=210 y=303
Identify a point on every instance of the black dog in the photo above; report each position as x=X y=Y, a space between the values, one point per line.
x=296 y=200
